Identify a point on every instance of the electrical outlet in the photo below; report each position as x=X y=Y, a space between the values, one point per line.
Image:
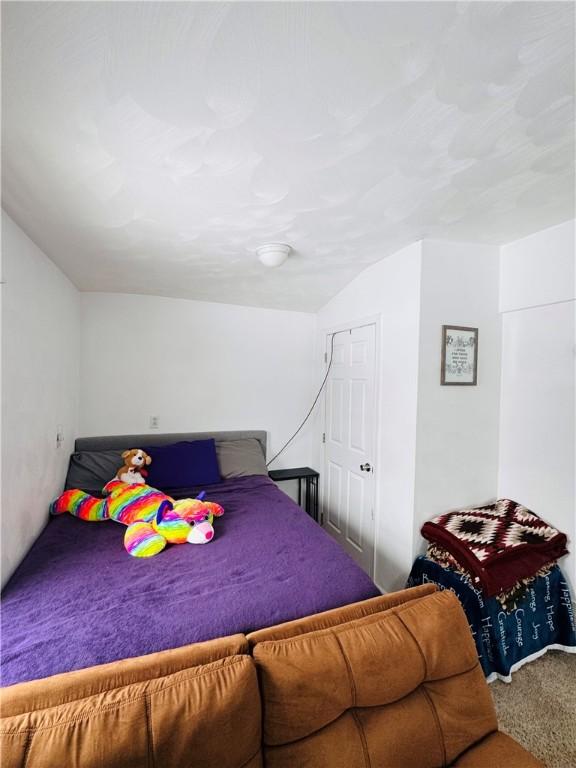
x=154 y=422
x=59 y=435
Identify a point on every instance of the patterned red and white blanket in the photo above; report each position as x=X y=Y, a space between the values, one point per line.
x=499 y=544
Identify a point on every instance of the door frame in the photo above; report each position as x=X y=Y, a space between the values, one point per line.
x=325 y=333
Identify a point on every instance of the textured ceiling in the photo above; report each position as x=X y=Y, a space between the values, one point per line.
x=150 y=147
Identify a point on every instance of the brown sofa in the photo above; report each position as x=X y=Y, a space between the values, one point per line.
x=392 y=682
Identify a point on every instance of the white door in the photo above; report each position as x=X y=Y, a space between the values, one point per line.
x=348 y=499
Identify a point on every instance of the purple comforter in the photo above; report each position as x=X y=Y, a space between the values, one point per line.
x=79 y=599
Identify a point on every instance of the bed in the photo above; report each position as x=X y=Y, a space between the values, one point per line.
x=78 y=600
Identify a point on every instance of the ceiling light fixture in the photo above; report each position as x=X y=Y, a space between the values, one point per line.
x=273 y=254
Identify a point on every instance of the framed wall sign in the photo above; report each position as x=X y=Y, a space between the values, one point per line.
x=459 y=355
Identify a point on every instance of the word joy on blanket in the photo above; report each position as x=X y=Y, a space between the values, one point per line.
x=499 y=544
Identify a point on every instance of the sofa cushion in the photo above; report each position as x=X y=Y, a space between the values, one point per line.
x=498 y=751
x=70 y=686
x=146 y=711
x=404 y=685
x=341 y=615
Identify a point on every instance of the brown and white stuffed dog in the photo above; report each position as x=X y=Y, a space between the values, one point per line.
x=133 y=470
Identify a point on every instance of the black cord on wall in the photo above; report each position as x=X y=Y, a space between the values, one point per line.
x=313 y=404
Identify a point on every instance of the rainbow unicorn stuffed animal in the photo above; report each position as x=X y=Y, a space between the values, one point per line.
x=153 y=519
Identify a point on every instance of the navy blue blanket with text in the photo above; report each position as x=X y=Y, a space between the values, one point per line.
x=542 y=620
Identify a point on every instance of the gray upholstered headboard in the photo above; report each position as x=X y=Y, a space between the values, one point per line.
x=119 y=442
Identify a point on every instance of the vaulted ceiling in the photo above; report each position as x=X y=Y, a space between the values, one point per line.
x=150 y=147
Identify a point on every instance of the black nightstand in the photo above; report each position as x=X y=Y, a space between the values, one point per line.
x=310 y=489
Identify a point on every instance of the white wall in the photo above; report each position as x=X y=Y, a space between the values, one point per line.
x=196 y=366
x=537 y=431
x=457 y=439
x=40 y=343
x=390 y=291
x=438 y=446
x=539 y=269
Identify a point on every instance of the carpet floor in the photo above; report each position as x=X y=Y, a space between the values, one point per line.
x=538 y=708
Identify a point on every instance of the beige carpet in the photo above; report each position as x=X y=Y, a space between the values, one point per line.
x=538 y=708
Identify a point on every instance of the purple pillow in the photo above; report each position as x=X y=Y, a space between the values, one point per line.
x=184 y=464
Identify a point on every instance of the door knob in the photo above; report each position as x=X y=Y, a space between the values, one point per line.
x=366 y=467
